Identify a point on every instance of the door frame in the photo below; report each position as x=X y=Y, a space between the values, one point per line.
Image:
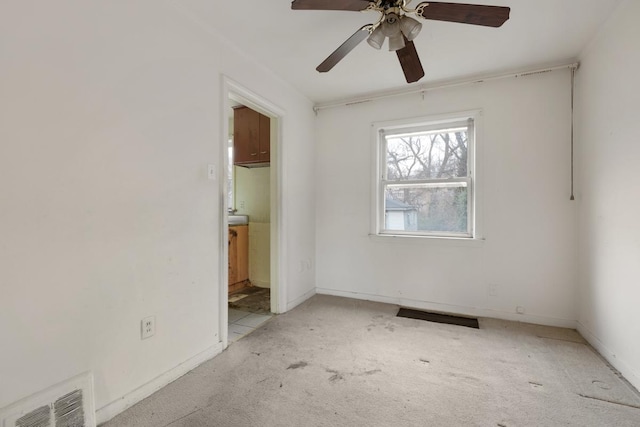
x=233 y=91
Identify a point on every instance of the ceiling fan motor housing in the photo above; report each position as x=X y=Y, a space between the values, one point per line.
x=388 y=4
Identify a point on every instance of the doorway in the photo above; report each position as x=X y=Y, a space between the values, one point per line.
x=250 y=231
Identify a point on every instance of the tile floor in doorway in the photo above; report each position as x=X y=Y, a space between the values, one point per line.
x=243 y=322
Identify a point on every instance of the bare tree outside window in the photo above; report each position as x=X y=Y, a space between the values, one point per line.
x=427 y=175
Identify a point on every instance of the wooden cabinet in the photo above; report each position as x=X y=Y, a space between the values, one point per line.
x=238 y=257
x=251 y=137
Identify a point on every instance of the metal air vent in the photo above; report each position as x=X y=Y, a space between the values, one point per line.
x=68 y=404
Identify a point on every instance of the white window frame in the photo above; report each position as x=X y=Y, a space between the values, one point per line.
x=379 y=168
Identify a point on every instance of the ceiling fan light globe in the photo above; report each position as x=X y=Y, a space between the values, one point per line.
x=376 y=39
x=396 y=42
x=410 y=27
x=391 y=25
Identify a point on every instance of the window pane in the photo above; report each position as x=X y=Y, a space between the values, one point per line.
x=427 y=155
x=427 y=209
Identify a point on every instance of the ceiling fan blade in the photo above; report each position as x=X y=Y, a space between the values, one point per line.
x=410 y=62
x=344 y=49
x=489 y=16
x=355 y=5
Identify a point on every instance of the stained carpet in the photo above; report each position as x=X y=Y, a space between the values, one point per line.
x=340 y=362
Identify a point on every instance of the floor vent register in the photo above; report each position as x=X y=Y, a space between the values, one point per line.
x=469 y=322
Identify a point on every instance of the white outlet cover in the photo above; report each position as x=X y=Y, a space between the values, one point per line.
x=211 y=172
x=148 y=327
x=493 y=290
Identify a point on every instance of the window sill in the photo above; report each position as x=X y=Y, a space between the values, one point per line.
x=428 y=240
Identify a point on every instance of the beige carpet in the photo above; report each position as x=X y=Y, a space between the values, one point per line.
x=341 y=362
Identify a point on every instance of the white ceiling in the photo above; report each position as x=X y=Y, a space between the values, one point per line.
x=292 y=43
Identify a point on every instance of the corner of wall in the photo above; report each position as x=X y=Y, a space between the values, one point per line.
x=621 y=366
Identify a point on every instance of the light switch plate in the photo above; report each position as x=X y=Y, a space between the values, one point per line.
x=211 y=172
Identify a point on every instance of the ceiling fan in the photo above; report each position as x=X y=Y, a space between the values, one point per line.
x=396 y=24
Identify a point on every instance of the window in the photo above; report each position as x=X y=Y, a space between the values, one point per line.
x=425 y=178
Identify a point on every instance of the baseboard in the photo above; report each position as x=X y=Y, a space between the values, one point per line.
x=116 y=407
x=454 y=309
x=296 y=302
x=621 y=366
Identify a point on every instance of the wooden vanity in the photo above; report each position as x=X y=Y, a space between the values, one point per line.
x=238 y=257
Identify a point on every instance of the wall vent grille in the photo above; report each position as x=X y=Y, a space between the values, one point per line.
x=68 y=404
x=40 y=417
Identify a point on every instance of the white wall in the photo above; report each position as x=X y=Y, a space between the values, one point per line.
x=528 y=221
x=608 y=143
x=252 y=193
x=109 y=115
x=253 y=198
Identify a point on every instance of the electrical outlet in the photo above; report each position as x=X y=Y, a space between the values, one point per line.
x=148 y=325
x=493 y=290
x=520 y=309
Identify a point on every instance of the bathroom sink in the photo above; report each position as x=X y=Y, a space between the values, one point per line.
x=238 y=219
